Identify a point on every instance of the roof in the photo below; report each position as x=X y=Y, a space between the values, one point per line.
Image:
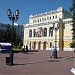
x=6 y=44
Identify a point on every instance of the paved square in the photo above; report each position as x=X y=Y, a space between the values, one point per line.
x=38 y=63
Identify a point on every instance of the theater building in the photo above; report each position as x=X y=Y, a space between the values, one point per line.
x=49 y=28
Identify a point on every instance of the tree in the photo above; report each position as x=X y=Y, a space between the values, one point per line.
x=10 y=35
x=72 y=9
x=2 y=35
x=15 y=37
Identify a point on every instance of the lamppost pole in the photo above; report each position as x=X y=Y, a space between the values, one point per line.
x=56 y=38
x=56 y=29
x=13 y=19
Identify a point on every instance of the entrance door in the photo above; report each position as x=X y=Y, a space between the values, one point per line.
x=44 y=46
x=35 y=45
x=30 y=45
x=39 y=45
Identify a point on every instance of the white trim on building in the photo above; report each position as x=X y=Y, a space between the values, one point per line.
x=40 y=33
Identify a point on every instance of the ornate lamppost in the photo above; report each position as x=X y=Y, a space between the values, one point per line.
x=59 y=26
x=56 y=29
x=13 y=19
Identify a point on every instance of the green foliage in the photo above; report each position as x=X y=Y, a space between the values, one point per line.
x=72 y=9
x=17 y=47
x=72 y=45
x=10 y=35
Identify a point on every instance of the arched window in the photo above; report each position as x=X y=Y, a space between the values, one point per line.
x=50 y=18
x=45 y=31
x=47 y=18
x=50 y=31
x=53 y=17
x=40 y=20
x=30 y=44
x=30 y=33
x=56 y=16
x=34 y=33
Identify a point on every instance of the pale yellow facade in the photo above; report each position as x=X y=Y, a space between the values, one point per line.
x=49 y=28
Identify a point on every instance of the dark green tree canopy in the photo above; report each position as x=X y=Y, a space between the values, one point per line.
x=72 y=9
x=10 y=35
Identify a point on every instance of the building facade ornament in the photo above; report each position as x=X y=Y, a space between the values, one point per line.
x=49 y=28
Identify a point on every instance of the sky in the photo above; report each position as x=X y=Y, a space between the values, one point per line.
x=29 y=7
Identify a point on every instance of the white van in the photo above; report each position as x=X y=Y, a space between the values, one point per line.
x=5 y=47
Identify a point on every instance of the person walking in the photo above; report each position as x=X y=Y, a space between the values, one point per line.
x=52 y=48
x=23 y=49
x=0 y=48
x=26 y=49
x=53 y=52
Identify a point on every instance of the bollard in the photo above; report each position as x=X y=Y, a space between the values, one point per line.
x=7 y=60
x=11 y=59
x=55 y=54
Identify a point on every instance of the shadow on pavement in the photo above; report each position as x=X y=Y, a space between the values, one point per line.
x=29 y=51
x=36 y=62
x=53 y=60
x=60 y=57
x=18 y=64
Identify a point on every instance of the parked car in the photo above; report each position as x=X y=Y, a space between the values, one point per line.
x=5 y=47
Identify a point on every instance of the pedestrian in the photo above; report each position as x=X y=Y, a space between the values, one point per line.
x=26 y=49
x=23 y=49
x=53 y=52
x=0 y=48
x=52 y=48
